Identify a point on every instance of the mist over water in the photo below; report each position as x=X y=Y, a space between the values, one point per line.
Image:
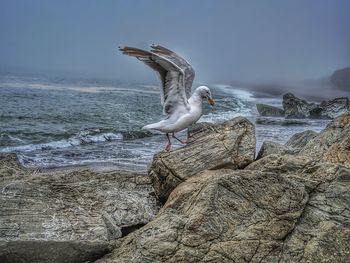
x=248 y=41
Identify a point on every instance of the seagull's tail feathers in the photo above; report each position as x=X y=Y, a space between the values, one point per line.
x=153 y=126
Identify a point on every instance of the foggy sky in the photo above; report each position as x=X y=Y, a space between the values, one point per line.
x=224 y=40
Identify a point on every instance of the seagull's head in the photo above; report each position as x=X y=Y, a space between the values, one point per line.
x=205 y=93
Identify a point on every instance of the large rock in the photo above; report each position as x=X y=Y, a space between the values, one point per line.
x=219 y=216
x=293 y=146
x=281 y=208
x=331 y=109
x=269 y=147
x=249 y=216
x=341 y=79
x=210 y=146
x=299 y=140
x=68 y=216
x=295 y=107
x=333 y=143
x=269 y=111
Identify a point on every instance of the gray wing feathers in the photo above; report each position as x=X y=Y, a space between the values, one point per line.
x=173 y=93
x=189 y=73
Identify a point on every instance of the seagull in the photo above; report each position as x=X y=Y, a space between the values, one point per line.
x=181 y=109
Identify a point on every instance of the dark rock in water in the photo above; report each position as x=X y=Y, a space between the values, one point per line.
x=281 y=208
x=298 y=108
x=295 y=107
x=279 y=121
x=331 y=109
x=341 y=79
x=210 y=146
x=68 y=216
x=269 y=111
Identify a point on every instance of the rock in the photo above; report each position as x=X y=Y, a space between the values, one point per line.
x=292 y=146
x=269 y=111
x=299 y=140
x=210 y=146
x=341 y=79
x=331 y=144
x=251 y=215
x=295 y=107
x=280 y=208
x=331 y=109
x=68 y=216
x=323 y=232
x=269 y=147
x=219 y=216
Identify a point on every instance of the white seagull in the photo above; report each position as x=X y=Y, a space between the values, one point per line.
x=176 y=76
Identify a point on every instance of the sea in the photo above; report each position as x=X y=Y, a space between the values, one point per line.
x=53 y=123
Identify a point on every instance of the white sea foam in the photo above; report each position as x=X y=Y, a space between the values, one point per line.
x=75 y=141
x=237 y=93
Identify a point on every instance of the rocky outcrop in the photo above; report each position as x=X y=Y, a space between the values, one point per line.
x=295 y=107
x=269 y=111
x=269 y=147
x=299 y=140
x=332 y=144
x=68 y=216
x=341 y=79
x=281 y=208
x=293 y=146
x=210 y=147
x=331 y=109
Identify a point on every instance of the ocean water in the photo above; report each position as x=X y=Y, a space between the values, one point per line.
x=59 y=123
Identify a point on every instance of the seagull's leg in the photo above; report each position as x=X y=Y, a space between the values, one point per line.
x=182 y=142
x=168 y=146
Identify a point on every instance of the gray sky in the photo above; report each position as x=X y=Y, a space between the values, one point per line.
x=224 y=40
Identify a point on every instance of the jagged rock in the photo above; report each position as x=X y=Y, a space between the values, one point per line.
x=219 y=216
x=269 y=147
x=292 y=146
x=68 y=216
x=323 y=233
x=341 y=79
x=269 y=111
x=249 y=216
x=331 y=144
x=299 y=140
x=210 y=146
x=331 y=109
x=298 y=108
x=281 y=208
x=295 y=107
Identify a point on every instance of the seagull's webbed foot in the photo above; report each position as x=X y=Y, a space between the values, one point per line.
x=182 y=142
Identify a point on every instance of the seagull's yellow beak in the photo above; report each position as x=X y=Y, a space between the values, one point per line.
x=211 y=101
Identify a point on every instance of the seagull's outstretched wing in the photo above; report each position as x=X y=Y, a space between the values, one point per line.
x=173 y=94
x=180 y=62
